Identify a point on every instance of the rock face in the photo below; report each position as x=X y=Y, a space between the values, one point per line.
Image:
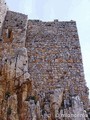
x=3 y=10
x=41 y=70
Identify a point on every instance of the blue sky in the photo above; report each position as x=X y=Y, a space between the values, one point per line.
x=63 y=10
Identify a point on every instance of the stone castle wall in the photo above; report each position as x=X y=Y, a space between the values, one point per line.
x=17 y=22
x=41 y=69
x=55 y=59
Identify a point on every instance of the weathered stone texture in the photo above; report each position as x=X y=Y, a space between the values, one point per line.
x=55 y=59
x=41 y=70
x=3 y=10
x=17 y=22
x=15 y=83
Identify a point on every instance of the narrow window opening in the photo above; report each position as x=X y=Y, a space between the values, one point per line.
x=9 y=32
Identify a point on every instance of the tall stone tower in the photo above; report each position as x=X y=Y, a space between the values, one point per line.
x=41 y=70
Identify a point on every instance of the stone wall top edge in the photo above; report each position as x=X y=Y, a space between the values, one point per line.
x=57 y=21
x=17 y=13
x=15 y=20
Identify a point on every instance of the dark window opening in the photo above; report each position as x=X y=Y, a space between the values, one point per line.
x=9 y=33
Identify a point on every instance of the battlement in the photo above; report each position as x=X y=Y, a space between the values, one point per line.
x=60 y=24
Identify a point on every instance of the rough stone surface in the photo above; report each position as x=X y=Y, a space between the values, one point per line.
x=41 y=70
x=55 y=57
x=3 y=10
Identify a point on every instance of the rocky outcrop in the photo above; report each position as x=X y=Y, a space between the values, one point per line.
x=41 y=74
x=15 y=83
x=19 y=100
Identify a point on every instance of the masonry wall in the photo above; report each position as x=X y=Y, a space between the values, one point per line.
x=17 y=22
x=55 y=59
x=55 y=81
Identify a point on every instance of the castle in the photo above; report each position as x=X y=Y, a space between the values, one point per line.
x=41 y=69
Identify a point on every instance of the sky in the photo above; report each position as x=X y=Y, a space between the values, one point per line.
x=63 y=10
